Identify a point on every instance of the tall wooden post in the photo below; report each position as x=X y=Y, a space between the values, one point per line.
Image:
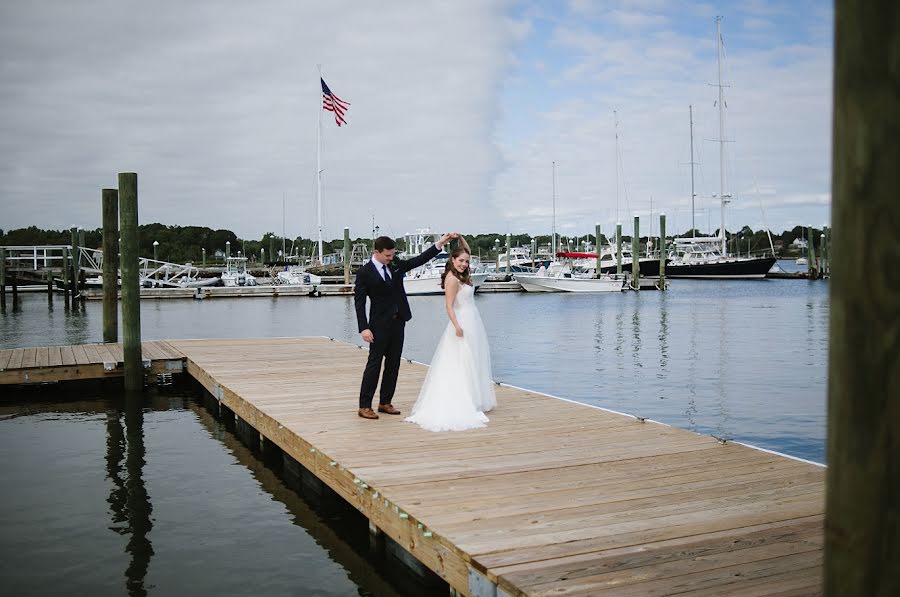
x=3 y=277
x=110 y=201
x=862 y=519
x=597 y=247
x=662 y=251
x=811 y=267
x=346 y=255
x=618 y=248
x=65 y=275
x=131 y=290
x=635 y=254
x=508 y=256
x=76 y=263
x=533 y=251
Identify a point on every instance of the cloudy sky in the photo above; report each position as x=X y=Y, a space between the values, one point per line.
x=458 y=109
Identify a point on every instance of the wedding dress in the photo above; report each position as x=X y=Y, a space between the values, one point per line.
x=458 y=389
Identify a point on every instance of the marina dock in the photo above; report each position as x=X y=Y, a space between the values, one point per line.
x=553 y=497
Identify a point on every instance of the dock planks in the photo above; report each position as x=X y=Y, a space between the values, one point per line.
x=80 y=362
x=552 y=498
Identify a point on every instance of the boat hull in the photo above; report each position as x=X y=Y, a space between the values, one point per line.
x=432 y=284
x=733 y=269
x=535 y=283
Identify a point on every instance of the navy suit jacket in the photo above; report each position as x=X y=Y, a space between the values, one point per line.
x=387 y=298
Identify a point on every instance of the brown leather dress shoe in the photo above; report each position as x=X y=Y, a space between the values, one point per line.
x=388 y=408
x=367 y=413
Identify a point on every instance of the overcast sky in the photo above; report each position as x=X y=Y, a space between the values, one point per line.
x=458 y=109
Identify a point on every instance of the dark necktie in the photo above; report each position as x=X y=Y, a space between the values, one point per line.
x=387 y=276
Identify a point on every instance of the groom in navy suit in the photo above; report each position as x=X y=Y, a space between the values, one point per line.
x=381 y=281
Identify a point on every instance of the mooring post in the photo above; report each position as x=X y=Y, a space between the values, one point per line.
x=811 y=268
x=110 y=205
x=76 y=263
x=533 y=251
x=346 y=255
x=497 y=255
x=635 y=253
x=597 y=246
x=3 y=277
x=618 y=248
x=65 y=275
x=862 y=509
x=508 y=257
x=131 y=291
x=662 y=251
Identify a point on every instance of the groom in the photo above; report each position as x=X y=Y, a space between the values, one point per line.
x=381 y=280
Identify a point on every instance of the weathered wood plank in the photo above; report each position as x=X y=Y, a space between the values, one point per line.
x=29 y=357
x=42 y=358
x=5 y=355
x=81 y=357
x=68 y=355
x=55 y=356
x=15 y=359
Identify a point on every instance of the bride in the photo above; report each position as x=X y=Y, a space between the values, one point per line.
x=458 y=389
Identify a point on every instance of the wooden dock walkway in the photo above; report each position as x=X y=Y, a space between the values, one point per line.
x=552 y=498
x=81 y=362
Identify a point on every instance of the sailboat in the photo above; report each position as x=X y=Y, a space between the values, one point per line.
x=707 y=257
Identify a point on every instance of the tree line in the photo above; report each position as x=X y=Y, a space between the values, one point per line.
x=182 y=244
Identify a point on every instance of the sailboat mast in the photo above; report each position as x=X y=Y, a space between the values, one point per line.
x=721 y=131
x=616 y=160
x=319 y=177
x=693 y=193
x=553 y=229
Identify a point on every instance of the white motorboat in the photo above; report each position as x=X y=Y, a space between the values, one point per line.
x=295 y=276
x=564 y=279
x=236 y=273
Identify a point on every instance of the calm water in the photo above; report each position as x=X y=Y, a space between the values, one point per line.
x=744 y=360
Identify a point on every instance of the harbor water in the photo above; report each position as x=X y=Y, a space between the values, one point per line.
x=743 y=360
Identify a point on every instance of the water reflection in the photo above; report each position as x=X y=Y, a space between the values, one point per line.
x=333 y=524
x=129 y=502
x=693 y=356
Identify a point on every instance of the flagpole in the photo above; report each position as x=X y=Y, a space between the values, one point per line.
x=319 y=171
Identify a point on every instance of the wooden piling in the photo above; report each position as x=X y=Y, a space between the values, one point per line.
x=65 y=275
x=662 y=251
x=508 y=251
x=862 y=520
x=811 y=267
x=618 y=248
x=131 y=291
x=3 y=277
x=597 y=246
x=110 y=205
x=346 y=255
x=635 y=253
x=76 y=264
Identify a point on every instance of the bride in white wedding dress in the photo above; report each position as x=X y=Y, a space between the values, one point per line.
x=458 y=389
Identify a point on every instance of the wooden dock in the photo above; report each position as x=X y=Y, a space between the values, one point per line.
x=552 y=498
x=81 y=362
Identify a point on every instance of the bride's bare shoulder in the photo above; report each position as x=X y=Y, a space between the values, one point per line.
x=451 y=282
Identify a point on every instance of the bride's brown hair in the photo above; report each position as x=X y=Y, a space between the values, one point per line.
x=464 y=277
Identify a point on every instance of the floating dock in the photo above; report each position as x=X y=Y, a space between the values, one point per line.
x=553 y=497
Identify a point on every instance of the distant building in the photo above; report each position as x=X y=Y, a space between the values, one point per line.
x=219 y=253
x=800 y=243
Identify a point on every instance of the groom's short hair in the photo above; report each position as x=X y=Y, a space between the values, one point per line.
x=384 y=242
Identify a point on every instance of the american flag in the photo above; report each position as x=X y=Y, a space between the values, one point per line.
x=333 y=103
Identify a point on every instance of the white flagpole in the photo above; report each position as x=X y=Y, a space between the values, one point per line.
x=319 y=168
